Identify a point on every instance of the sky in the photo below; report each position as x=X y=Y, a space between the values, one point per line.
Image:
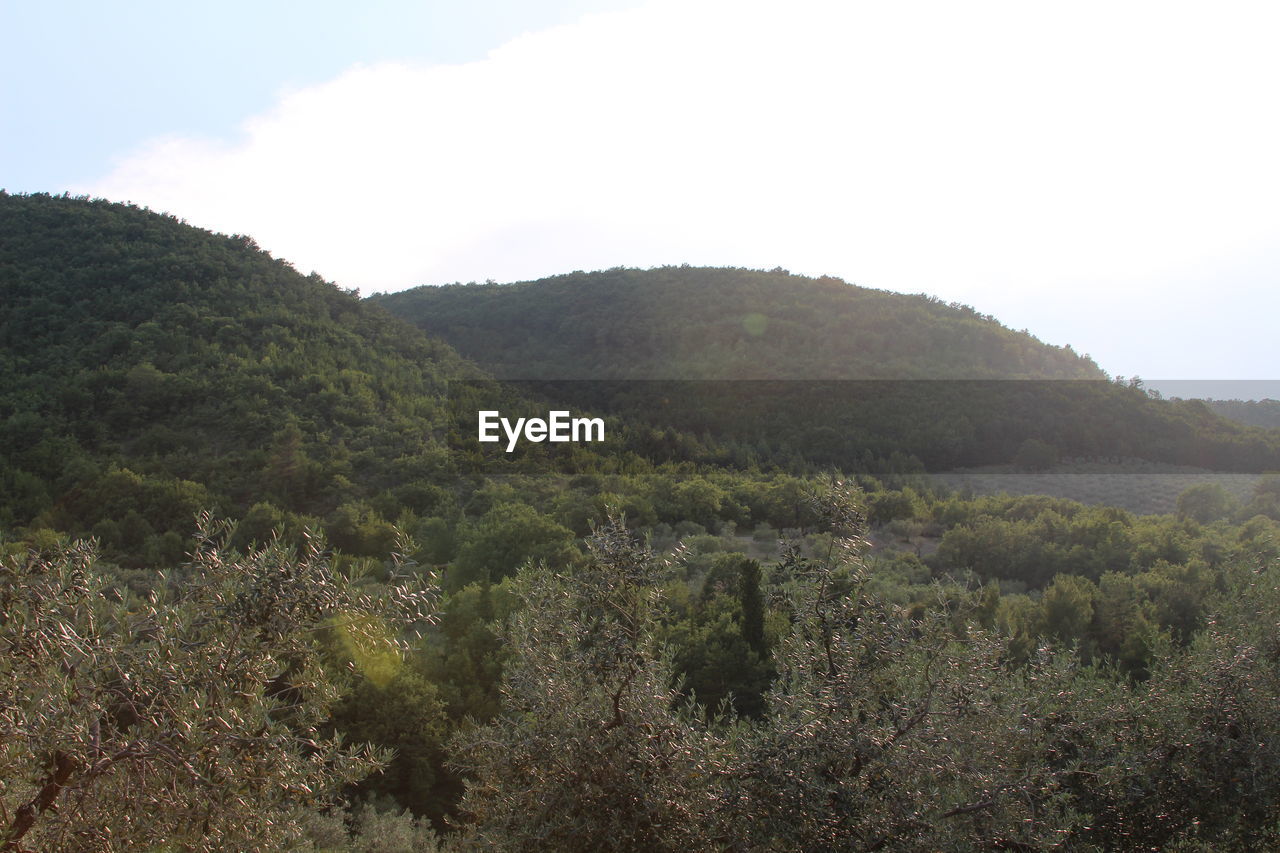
x=1102 y=174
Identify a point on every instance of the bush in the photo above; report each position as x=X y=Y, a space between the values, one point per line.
x=189 y=719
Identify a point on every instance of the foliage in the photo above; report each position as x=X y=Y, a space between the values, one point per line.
x=686 y=323
x=895 y=378
x=887 y=728
x=1035 y=455
x=890 y=730
x=591 y=751
x=505 y=538
x=369 y=826
x=1207 y=503
x=154 y=367
x=1263 y=413
x=1191 y=762
x=407 y=715
x=189 y=718
x=915 y=670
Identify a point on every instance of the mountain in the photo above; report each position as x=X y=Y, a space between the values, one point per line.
x=1262 y=413
x=697 y=323
x=817 y=371
x=151 y=369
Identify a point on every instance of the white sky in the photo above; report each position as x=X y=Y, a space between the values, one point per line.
x=1102 y=174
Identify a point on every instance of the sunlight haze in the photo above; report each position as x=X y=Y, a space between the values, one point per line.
x=1100 y=174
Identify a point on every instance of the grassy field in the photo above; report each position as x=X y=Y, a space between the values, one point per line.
x=1146 y=488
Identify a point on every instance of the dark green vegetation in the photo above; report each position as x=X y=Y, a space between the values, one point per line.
x=695 y=323
x=797 y=371
x=152 y=369
x=908 y=669
x=1262 y=413
x=886 y=727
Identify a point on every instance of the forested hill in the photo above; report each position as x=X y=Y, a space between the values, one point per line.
x=151 y=369
x=821 y=350
x=1261 y=413
x=700 y=323
x=906 y=670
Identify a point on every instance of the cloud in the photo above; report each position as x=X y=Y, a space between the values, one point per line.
x=968 y=150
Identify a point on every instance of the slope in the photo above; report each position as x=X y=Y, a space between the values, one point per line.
x=698 y=323
x=151 y=368
x=817 y=371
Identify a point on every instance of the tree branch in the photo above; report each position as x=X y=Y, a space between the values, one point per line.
x=25 y=818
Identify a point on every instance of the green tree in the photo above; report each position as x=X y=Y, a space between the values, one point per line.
x=1035 y=455
x=887 y=729
x=407 y=715
x=590 y=751
x=465 y=654
x=752 y=601
x=1190 y=760
x=505 y=538
x=1207 y=503
x=1066 y=610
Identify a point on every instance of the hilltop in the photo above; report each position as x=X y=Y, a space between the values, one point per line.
x=152 y=369
x=714 y=323
x=824 y=372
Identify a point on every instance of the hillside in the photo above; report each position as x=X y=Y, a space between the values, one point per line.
x=1261 y=413
x=697 y=323
x=823 y=372
x=151 y=369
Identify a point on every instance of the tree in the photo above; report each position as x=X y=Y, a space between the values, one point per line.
x=1067 y=608
x=752 y=601
x=1190 y=760
x=405 y=714
x=188 y=719
x=591 y=751
x=506 y=537
x=1206 y=503
x=1035 y=455
x=886 y=729
x=889 y=729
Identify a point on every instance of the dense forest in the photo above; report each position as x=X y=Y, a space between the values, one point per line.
x=261 y=588
x=722 y=324
x=787 y=369
x=1263 y=413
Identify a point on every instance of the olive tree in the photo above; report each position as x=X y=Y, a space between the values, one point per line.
x=890 y=728
x=190 y=718
x=593 y=749
x=1195 y=762
x=886 y=727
